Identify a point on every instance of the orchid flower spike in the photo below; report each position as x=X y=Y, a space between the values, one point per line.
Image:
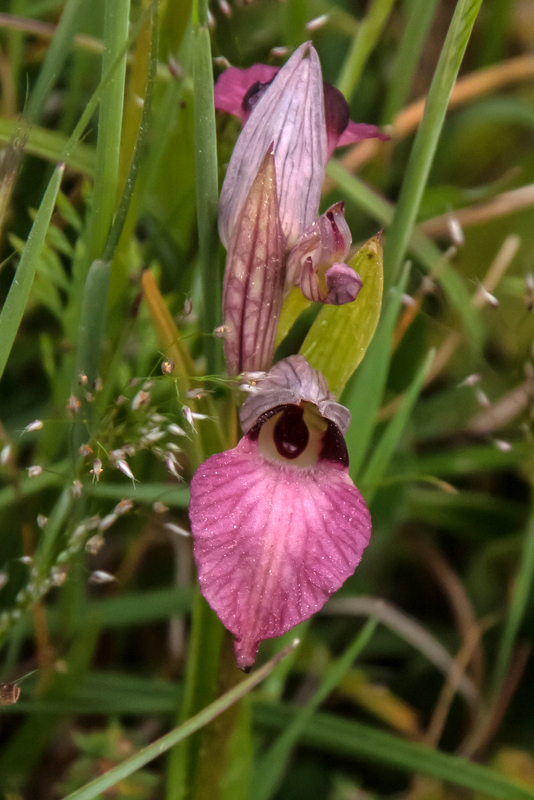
x=290 y=114
x=277 y=523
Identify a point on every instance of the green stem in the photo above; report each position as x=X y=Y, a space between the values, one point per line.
x=522 y=591
x=207 y=190
x=364 y=42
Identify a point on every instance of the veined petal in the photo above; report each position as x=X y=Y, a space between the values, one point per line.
x=271 y=542
x=290 y=113
x=324 y=243
x=254 y=275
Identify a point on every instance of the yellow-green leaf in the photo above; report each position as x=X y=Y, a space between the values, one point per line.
x=340 y=335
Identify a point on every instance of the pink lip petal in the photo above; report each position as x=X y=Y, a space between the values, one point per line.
x=233 y=84
x=271 y=542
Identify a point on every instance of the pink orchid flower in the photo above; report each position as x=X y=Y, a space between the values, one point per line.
x=277 y=523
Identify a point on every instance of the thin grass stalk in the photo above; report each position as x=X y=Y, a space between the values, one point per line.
x=19 y=291
x=116 y=19
x=420 y=15
x=55 y=58
x=207 y=189
x=518 y=605
x=364 y=42
x=427 y=136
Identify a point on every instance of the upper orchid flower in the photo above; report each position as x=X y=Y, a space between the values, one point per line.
x=277 y=523
x=289 y=115
x=238 y=90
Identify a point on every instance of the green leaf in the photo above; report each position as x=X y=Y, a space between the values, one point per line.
x=340 y=335
x=19 y=291
x=353 y=739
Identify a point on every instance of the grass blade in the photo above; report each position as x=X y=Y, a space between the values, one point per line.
x=19 y=291
x=347 y=738
x=271 y=768
x=364 y=42
x=364 y=392
x=426 y=140
x=147 y=754
x=116 y=19
x=207 y=190
x=420 y=14
x=521 y=595
x=390 y=438
x=55 y=58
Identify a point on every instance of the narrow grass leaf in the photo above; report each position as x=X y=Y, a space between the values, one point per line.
x=367 y=36
x=55 y=57
x=340 y=335
x=420 y=14
x=271 y=768
x=148 y=754
x=19 y=291
x=116 y=19
x=352 y=739
x=427 y=136
x=207 y=190
x=521 y=595
x=364 y=393
x=388 y=442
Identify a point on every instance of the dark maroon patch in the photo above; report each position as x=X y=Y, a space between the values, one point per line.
x=334 y=447
x=291 y=433
x=252 y=95
x=336 y=111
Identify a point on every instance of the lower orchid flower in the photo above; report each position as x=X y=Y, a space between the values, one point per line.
x=277 y=523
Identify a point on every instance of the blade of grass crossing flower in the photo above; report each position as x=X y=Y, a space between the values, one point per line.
x=271 y=768
x=55 y=57
x=521 y=594
x=148 y=754
x=207 y=191
x=388 y=442
x=364 y=393
x=340 y=335
x=420 y=14
x=116 y=19
x=356 y=740
x=420 y=246
x=19 y=291
x=427 y=136
x=364 y=42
